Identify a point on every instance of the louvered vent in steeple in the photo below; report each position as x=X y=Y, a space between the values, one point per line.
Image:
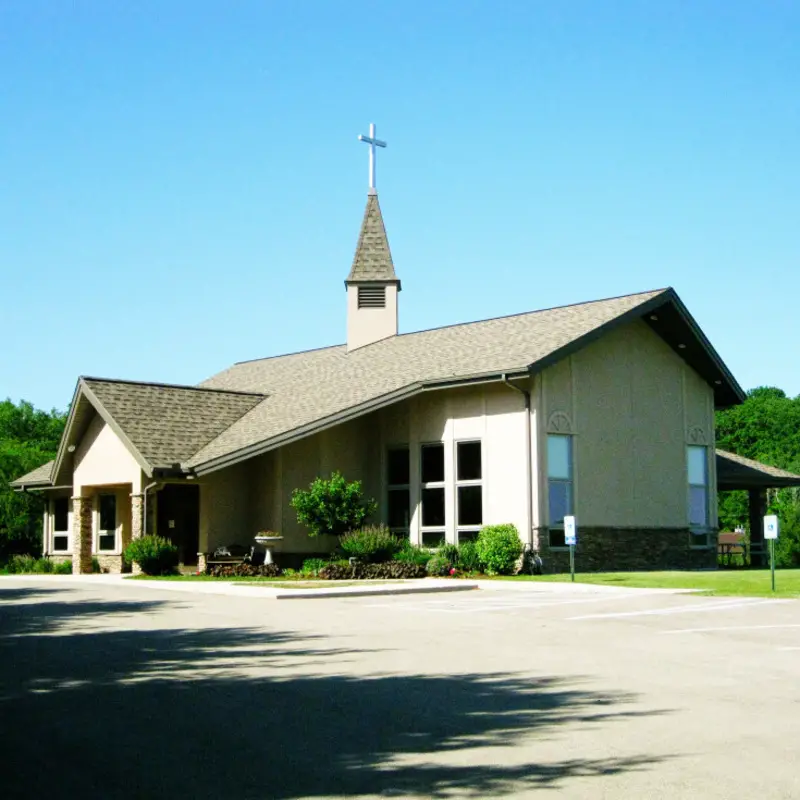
x=372 y=297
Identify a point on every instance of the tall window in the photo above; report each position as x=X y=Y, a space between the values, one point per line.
x=697 y=467
x=107 y=522
x=432 y=493
x=559 y=485
x=60 y=540
x=398 y=499
x=469 y=490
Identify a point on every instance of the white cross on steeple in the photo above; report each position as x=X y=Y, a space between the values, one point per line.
x=373 y=143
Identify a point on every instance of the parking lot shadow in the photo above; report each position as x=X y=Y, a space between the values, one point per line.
x=247 y=713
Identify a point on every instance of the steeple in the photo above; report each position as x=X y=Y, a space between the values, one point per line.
x=373 y=259
x=372 y=284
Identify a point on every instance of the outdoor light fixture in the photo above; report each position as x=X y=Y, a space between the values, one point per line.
x=71 y=448
x=682 y=346
x=654 y=317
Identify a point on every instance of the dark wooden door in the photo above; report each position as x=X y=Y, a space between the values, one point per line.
x=179 y=519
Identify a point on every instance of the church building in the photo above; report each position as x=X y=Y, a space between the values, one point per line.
x=603 y=410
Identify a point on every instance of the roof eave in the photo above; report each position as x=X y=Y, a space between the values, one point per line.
x=733 y=384
x=244 y=453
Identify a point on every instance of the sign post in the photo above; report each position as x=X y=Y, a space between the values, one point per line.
x=571 y=539
x=771 y=531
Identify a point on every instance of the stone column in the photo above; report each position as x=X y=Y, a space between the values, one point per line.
x=137 y=524
x=81 y=535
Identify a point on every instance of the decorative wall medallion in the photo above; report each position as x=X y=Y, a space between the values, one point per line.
x=559 y=422
x=697 y=435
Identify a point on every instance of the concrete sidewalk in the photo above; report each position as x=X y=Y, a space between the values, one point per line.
x=339 y=589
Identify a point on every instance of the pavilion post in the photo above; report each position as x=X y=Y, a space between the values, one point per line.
x=758 y=505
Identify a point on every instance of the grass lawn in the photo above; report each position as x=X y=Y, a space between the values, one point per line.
x=750 y=582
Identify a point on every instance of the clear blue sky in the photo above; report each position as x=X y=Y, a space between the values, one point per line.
x=182 y=186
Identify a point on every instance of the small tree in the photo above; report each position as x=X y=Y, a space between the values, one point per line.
x=332 y=506
x=499 y=547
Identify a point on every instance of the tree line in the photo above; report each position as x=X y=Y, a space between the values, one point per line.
x=765 y=427
x=28 y=439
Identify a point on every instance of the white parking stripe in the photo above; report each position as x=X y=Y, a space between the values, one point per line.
x=736 y=628
x=688 y=609
x=476 y=603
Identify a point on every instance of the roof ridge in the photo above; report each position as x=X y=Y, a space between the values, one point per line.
x=457 y=325
x=172 y=386
x=286 y=355
x=520 y=314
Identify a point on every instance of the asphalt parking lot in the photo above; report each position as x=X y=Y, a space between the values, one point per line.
x=117 y=690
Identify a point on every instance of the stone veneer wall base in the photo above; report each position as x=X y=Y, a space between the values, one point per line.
x=81 y=535
x=111 y=563
x=137 y=524
x=628 y=550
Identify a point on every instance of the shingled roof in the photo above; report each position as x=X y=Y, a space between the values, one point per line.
x=737 y=472
x=258 y=405
x=168 y=424
x=41 y=476
x=373 y=259
x=308 y=391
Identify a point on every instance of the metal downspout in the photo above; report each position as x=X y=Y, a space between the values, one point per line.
x=529 y=455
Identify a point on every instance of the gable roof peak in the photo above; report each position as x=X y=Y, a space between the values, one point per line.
x=373 y=258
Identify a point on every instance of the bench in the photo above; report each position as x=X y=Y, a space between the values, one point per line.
x=232 y=555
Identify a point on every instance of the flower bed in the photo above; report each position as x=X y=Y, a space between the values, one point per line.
x=388 y=569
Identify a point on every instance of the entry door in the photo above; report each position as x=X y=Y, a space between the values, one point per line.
x=179 y=519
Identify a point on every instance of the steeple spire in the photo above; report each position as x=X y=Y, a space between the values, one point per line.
x=373 y=258
x=372 y=285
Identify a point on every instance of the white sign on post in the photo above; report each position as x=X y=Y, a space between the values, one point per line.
x=771 y=527
x=570 y=531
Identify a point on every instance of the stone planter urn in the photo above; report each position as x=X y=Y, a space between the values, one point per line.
x=268 y=540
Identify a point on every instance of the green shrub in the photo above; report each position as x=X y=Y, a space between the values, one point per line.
x=438 y=566
x=372 y=544
x=312 y=566
x=21 y=564
x=96 y=570
x=28 y=565
x=154 y=554
x=344 y=571
x=448 y=551
x=499 y=548
x=332 y=506
x=468 y=557
x=43 y=566
x=413 y=554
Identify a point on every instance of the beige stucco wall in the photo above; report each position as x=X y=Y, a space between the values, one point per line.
x=633 y=405
x=101 y=459
x=237 y=502
x=367 y=325
x=225 y=507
